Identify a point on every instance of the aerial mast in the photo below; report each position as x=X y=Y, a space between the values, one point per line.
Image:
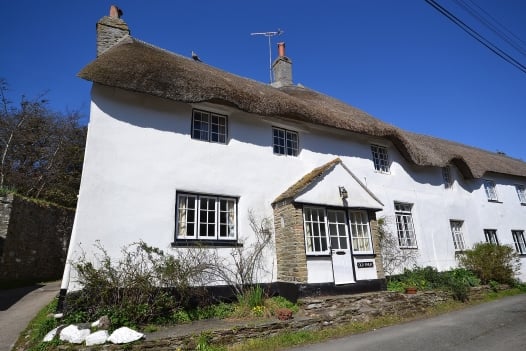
x=269 y=35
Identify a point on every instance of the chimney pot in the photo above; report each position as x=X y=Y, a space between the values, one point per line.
x=115 y=12
x=281 y=49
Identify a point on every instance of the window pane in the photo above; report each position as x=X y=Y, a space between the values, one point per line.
x=380 y=158
x=458 y=236
x=200 y=125
x=404 y=225
x=521 y=193
x=315 y=232
x=360 y=232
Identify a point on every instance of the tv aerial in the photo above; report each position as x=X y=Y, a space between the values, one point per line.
x=269 y=35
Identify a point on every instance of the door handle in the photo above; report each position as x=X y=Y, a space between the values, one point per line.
x=339 y=252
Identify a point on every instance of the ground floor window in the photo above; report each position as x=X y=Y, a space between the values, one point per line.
x=458 y=236
x=491 y=236
x=315 y=230
x=404 y=225
x=206 y=217
x=518 y=240
x=327 y=229
x=360 y=233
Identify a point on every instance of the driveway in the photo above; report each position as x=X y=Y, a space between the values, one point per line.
x=495 y=326
x=19 y=306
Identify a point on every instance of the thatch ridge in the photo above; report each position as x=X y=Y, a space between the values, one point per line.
x=141 y=67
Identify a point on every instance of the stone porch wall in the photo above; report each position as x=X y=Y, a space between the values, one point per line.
x=290 y=243
x=373 y=224
x=34 y=238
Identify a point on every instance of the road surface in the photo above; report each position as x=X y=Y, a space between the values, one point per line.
x=495 y=326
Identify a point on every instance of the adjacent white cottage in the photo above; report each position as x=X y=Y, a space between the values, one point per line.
x=178 y=153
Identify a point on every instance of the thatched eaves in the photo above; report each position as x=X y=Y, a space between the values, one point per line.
x=137 y=66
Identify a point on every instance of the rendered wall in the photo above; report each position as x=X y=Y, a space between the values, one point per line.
x=139 y=153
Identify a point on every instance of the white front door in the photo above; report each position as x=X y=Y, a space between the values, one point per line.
x=342 y=265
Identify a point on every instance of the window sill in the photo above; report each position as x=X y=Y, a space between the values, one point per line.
x=363 y=254
x=327 y=254
x=408 y=247
x=495 y=201
x=205 y=243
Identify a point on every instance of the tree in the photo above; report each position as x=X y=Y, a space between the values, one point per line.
x=41 y=151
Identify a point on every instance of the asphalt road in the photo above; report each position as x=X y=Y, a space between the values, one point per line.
x=498 y=325
x=19 y=306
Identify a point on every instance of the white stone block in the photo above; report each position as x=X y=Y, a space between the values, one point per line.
x=124 y=335
x=73 y=334
x=97 y=338
x=51 y=335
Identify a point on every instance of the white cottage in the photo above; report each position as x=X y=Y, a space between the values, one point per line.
x=178 y=153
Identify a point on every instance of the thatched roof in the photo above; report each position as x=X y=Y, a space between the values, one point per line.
x=140 y=67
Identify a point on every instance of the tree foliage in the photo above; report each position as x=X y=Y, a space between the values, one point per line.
x=41 y=151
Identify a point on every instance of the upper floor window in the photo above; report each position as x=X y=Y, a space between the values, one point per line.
x=380 y=158
x=446 y=174
x=491 y=191
x=404 y=225
x=206 y=217
x=458 y=236
x=491 y=236
x=284 y=142
x=209 y=126
x=521 y=193
x=518 y=240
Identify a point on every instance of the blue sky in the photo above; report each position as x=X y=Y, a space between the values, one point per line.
x=400 y=61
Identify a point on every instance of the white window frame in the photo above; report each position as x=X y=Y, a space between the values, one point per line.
x=446 y=174
x=380 y=158
x=521 y=193
x=518 y=240
x=458 y=235
x=361 y=241
x=220 y=222
x=315 y=230
x=404 y=225
x=491 y=236
x=491 y=190
x=285 y=142
x=209 y=126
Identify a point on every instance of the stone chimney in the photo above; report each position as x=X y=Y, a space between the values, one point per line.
x=282 y=68
x=111 y=30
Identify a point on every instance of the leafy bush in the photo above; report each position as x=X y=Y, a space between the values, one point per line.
x=457 y=281
x=491 y=262
x=143 y=286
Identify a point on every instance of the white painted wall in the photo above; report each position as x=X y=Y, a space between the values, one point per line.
x=139 y=153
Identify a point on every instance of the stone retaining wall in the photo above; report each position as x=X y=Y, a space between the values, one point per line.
x=34 y=238
x=315 y=314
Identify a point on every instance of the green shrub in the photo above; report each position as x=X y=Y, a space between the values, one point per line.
x=130 y=289
x=491 y=262
x=457 y=281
